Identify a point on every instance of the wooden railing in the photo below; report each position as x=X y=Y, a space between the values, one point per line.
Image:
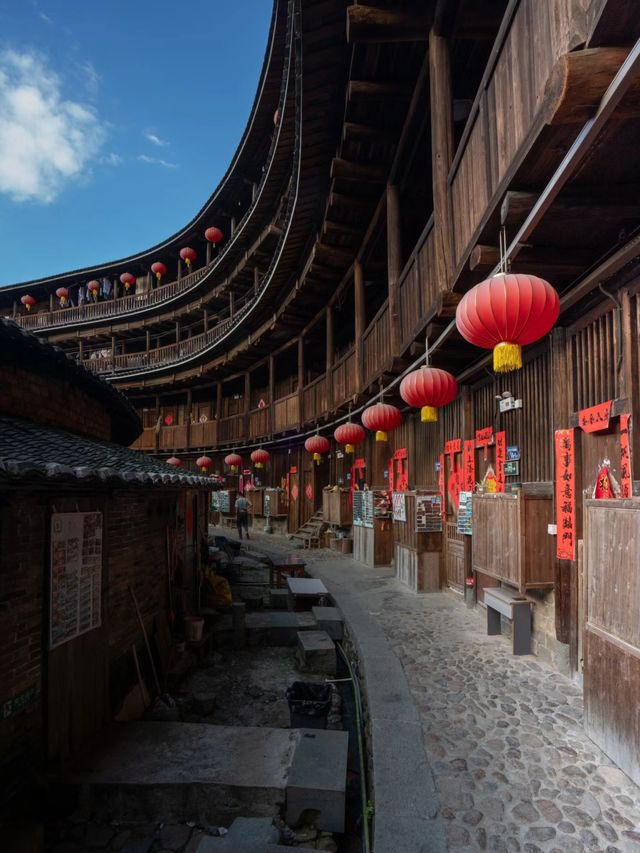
x=376 y=344
x=112 y=307
x=259 y=422
x=344 y=378
x=418 y=286
x=286 y=412
x=506 y=110
x=180 y=437
x=232 y=429
x=314 y=401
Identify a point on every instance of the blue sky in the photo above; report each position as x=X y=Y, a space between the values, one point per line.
x=117 y=120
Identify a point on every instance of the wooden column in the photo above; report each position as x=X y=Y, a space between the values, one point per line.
x=206 y=320
x=115 y=289
x=51 y=302
x=219 y=400
x=272 y=383
x=179 y=269
x=81 y=349
x=188 y=416
x=113 y=349
x=231 y=304
x=629 y=371
x=300 y=380
x=441 y=154
x=254 y=191
x=233 y=225
x=329 y=357
x=360 y=320
x=256 y=279
x=394 y=263
x=208 y=253
x=247 y=403
x=148 y=340
x=177 y=332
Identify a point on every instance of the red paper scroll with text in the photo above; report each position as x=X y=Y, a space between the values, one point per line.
x=565 y=494
x=501 y=458
x=596 y=418
x=469 y=466
x=484 y=437
x=625 y=457
x=443 y=498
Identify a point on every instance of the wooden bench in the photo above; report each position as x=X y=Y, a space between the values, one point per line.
x=517 y=608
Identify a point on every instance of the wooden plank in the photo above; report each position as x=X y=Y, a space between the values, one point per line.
x=375 y=25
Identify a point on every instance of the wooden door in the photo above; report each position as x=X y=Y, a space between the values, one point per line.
x=612 y=630
x=454 y=556
x=294 y=499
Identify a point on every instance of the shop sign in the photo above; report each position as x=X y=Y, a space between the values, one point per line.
x=595 y=418
x=501 y=452
x=565 y=494
x=513 y=453
x=511 y=469
x=19 y=703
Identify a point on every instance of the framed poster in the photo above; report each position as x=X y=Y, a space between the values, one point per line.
x=465 y=514
x=75 y=591
x=224 y=502
x=428 y=512
x=358 y=508
x=266 y=505
x=399 y=506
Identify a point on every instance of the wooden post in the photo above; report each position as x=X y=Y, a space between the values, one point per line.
x=256 y=280
x=219 y=400
x=300 y=380
x=254 y=191
x=179 y=269
x=148 y=340
x=113 y=349
x=441 y=153
x=231 y=304
x=627 y=381
x=177 y=332
x=360 y=319
x=329 y=357
x=233 y=225
x=394 y=264
x=206 y=320
x=188 y=416
x=272 y=383
x=51 y=303
x=115 y=289
x=81 y=349
x=247 y=403
x=208 y=253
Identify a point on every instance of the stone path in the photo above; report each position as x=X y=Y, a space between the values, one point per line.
x=513 y=768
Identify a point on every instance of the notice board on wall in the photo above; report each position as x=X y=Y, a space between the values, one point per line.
x=224 y=501
x=428 y=512
x=76 y=575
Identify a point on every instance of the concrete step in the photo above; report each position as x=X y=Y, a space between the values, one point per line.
x=246 y=835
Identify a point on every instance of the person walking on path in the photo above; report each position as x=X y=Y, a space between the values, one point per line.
x=242 y=515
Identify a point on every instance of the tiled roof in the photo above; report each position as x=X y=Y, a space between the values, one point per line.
x=30 y=451
x=18 y=345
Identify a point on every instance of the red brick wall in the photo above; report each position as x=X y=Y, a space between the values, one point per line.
x=134 y=553
x=52 y=402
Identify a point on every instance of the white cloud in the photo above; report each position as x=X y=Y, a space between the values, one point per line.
x=161 y=143
x=156 y=161
x=45 y=141
x=111 y=159
x=90 y=77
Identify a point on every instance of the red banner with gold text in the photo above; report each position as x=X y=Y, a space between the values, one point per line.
x=626 y=476
x=565 y=494
x=501 y=458
x=469 y=461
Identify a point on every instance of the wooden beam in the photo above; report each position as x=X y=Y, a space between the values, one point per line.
x=371 y=24
x=577 y=83
x=606 y=201
x=353 y=130
x=339 y=229
x=332 y=255
x=441 y=153
x=350 y=171
x=377 y=89
x=360 y=320
x=363 y=203
x=540 y=259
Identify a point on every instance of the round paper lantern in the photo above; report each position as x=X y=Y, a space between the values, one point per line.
x=234 y=461
x=382 y=418
x=213 y=235
x=127 y=279
x=317 y=445
x=28 y=301
x=349 y=434
x=168 y=420
x=158 y=269
x=188 y=255
x=177 y=463
x=505 y=312
x=260 y=457
x=63 y=295
x=94 y=289
x=428 y=389
x=276 y=117
x=204 y=463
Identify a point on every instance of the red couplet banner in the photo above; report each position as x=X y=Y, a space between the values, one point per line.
x=501 y=457
x=469 y=462
x=625 y=457
x=596 y=418
x=565 y=494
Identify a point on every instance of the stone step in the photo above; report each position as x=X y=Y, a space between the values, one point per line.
x=318 y=779
x=246 y=835
x=316 y=653
x=329 y=619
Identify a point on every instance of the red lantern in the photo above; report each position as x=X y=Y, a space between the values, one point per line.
x=349 y=434
x=505 y=312
x=382 y=418
x=177 y=463
x=188 y=256
x=63 y=295
x=317 y=444
x=127 y=279
x=168 y=419
x=276 y=117
x=213 y=235
x=260 y=457
x=234 y=461
x=158 y=269
x=28 y=301
x=94 y=288
x=428 y=389
x=204 y=463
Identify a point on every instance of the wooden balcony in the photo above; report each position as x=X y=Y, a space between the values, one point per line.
x=418 y=286
x=199 y=436
x=376 y=344
x=314 y=402
x=286 y=412
x=259 y=425
x=344 y=378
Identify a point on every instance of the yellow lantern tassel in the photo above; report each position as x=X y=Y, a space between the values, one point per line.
x=507 y=357
x=188 y=262
x=348 y=448
x=234 y=468
x=258 y=464
x=158 y=275
x=316 y=458
x=381 y=435
x=428 y=414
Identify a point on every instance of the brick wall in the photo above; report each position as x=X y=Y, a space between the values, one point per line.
x=134 y=553
x=55 y=403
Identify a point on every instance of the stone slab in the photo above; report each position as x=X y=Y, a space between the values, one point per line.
x=318 y=779
x=284 y=627
x=279 y=598
x=246 y=835
x=147 y=771
x=306 y=586
x=329 y=619
x=316 y=653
